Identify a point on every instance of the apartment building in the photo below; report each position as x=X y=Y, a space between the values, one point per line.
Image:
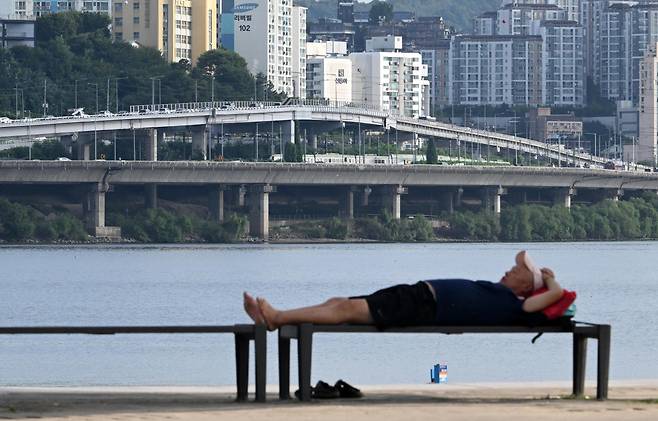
x=28 y=8
x=648 y=108
x=485 y=24
x=437 y=61
x=498 y=69
x=180 y=29
x=262 y=32
x=525 y=19
x=329 y=71
x=299 y=51
x=390 y=80
x=16 y=9
x=15 y=32
x=571 y=7
x=563 y=71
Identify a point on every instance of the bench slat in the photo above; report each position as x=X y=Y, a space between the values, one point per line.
x=111 y=330
x=292 y=331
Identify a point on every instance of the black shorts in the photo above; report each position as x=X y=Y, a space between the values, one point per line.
x=402 y=305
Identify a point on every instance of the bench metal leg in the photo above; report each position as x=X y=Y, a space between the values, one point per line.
x=284 y=367
x=579 y=363
x=304 y=356
x=260 y=341
x=603 y=371
x=242 y=365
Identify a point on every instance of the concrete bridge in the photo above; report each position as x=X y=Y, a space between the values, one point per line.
x=251 y=184
x=149 y=123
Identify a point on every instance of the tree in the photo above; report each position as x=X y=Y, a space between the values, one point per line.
x=380 y=12
x=55 y=25
x=233 y=81
x=266 y=90
x=431 y=156
x=290 y=152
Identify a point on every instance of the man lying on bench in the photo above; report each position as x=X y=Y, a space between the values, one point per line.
x=519 y=298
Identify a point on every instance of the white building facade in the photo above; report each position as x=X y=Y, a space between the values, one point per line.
x=299 y=51
x=328 y=71
x=262 y=32
x=27 y=8
x=648 y=108
x=394 y=82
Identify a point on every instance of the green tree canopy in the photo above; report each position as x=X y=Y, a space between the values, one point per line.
x=431 y=156
x=380 y=12
x=75 y=56
x=232 y=77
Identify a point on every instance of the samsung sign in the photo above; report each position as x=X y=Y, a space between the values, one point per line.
x=244 y=8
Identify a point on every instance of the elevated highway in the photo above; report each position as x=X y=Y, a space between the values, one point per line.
x=199 y=117
x=236 y=173
x=258 y=180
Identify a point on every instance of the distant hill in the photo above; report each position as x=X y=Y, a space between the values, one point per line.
x=458 y=13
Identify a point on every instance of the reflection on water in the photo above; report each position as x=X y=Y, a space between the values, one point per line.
x=130 y=285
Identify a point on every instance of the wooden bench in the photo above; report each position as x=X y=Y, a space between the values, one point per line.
x=580 y=331
x=243 y=335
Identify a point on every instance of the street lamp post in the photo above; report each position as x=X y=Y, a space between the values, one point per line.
x=153 y=79
x=595 y=143
x=116 y=92
x=45 y=97
x=95 y=119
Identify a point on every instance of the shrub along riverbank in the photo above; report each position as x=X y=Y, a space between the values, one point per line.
x=19 y=223
x=633 y=219
x=162 y=226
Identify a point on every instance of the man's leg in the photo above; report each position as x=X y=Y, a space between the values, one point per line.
x=334 y=311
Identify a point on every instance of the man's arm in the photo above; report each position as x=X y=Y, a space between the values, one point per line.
x=545 y=299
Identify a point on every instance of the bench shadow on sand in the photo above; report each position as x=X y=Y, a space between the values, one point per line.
x=55 y=404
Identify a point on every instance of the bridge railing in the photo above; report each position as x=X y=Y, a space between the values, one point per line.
x=290 y=102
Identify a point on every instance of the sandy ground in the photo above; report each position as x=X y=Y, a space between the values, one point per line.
x=518 y=401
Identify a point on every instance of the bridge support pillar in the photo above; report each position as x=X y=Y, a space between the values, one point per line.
x=459 y=194
x=365 y=195
x=563 y=197
x=151 y=140
x=448 y=202
x=216 y=203
x=200 y=144
x=68 y=142
x=94 y=210
x=151 y=196
x=393 y=200
x=288 y=131
x=259 y=208
x=347 y=203
x=491 y=199
x=82 y=148
x=240 y=193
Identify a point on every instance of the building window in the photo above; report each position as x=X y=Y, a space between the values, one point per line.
x=135 y=35
x=118 y=21
x=136 y=20
x=136 y=5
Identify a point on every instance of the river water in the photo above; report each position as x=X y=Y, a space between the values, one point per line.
x=617 y=283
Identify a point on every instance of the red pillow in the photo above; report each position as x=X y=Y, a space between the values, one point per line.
x=558 y=308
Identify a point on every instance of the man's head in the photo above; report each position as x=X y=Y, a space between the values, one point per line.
x=524 y=277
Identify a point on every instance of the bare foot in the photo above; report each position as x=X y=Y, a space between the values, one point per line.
x=252 y=309
x=269 y=314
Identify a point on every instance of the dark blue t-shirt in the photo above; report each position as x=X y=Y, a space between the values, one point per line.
x=465 y=302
